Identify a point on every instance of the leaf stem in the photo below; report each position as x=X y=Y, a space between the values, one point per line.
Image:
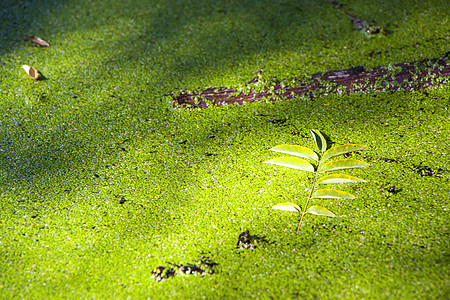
x=310 y=194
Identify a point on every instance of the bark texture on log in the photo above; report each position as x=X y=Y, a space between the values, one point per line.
x=403 y=76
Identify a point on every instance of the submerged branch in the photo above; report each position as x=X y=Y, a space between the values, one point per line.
x=403 y=76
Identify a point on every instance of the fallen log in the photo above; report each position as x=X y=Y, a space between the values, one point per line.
x=403 y=76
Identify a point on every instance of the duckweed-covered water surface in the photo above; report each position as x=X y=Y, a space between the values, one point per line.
x=103 y=181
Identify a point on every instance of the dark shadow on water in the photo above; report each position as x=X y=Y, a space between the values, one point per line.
x=20 y=18
x=167 y=21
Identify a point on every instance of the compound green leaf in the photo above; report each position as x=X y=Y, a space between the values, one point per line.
x=342 y=149
x=320 y=141
x=340 y=164
x=332 y=193
x=297 y=151
x=339 y=178
x=320 y=211
x=292 y=162
x=287 y=206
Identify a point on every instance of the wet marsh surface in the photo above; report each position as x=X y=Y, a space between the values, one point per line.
x=103 y=182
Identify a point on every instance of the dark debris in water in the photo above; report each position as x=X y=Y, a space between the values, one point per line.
x=277 y=121
x=273 y=120
x=161 y=273
x=38 y=42
x=248 y=241
x=360 y=24
x=392 y=190
x=389 y=160
x=120 y=199
x=427 y=171
x=402 y=76
x=419 y=169
x=204 y=267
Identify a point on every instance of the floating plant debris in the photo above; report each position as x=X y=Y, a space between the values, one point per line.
x=205 y=267
x=38 y=42
x=403 y=76
x=121 y=199
x=248 y=241
x=392 y=190
x=368 y=29
x=161 y=273
x=427 y=171
x=389 y=160
x=419 y=169
x=32 y=72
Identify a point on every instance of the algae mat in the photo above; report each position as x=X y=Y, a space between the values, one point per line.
x=102 y=181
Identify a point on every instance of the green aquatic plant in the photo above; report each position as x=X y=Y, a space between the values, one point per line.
x=323 y=166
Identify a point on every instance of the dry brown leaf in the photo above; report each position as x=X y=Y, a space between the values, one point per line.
x=32 y=72
x=36 y=40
